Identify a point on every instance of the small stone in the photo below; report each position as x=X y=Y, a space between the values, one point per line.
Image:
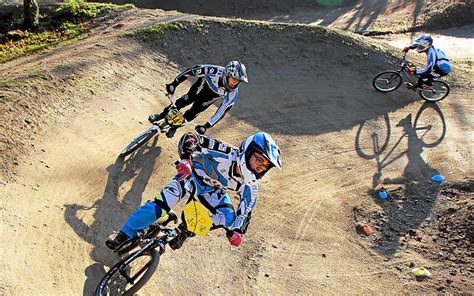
x=324 y=255
x=267 y=275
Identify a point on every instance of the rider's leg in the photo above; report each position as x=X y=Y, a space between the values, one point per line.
x=152 y=210
x=180 y=103
x=204 y=98
x=426 y=78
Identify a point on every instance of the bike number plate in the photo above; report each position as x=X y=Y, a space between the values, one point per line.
x=197 y=218
x=175 y=118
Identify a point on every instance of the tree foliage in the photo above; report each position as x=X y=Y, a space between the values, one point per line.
x=31 y=14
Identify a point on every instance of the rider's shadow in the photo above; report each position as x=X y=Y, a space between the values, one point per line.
x=111 y=210
x=413 y=206
x=410 y=204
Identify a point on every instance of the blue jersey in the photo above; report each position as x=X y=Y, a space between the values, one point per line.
x=434 y=58
x=217 y=165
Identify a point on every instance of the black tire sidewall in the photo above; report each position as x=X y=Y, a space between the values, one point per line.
x=386 y=72
x=155 y=259
x=442 y=98
x=141 y=141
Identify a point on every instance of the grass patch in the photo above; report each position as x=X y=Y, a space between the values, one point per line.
x=155 y=31
x=68 y=22
x=33 y=42
x=7 y=84
x=5 y=98
x=80 y=11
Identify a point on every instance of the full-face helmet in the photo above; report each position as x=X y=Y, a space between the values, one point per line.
x=424 y=42
x=237 y=70
x=264 y=144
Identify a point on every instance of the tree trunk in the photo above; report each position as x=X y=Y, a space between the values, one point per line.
x=31 y=14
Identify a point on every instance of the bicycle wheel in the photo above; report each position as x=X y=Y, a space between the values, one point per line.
x=387 y=81
x=138 y=142
x=430 y=126
x=130 y=274
x=436 y=92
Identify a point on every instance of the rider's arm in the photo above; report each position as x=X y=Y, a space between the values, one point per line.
x=431 y=61
x=407 y=48
x=230 y=99
x=215 y=147
x=248 y=199
x=195 y=71
x=191 y=143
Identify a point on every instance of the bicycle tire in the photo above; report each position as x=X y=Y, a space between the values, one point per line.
x=151 y=266
x=138 y=142
x=437 y=86
x=394 y=75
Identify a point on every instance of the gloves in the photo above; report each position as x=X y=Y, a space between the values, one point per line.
x=234 y=238
x=184 y=168
x=170 y=88
x=406 y=49
x=200 y=129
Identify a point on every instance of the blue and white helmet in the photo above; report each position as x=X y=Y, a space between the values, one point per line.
x=424 y=42
x=236 y=70
x=264 y=144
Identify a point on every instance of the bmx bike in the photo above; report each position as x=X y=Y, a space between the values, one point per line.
x=133 y=271
x=174 y=119
x=390 y=80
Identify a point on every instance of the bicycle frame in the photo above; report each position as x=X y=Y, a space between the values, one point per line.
x=162 y=124
x=403 y=70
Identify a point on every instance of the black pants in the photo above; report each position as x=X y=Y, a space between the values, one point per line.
x=427 y=78
x=200 y=95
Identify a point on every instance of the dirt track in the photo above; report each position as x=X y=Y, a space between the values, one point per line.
x=68 y=190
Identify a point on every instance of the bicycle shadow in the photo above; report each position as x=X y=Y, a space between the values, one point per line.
x=111 y=210
x=411 y=204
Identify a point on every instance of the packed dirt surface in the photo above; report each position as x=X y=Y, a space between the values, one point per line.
x=397 y=22
x=386 y=15
x=72 y=109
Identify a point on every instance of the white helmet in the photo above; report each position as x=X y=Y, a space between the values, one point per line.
x=236 y=70
x=424 y=42
x=264 y=144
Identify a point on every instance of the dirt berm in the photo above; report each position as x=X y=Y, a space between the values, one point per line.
x=72 y=109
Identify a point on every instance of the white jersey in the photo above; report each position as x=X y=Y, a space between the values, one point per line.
x=213 y=76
